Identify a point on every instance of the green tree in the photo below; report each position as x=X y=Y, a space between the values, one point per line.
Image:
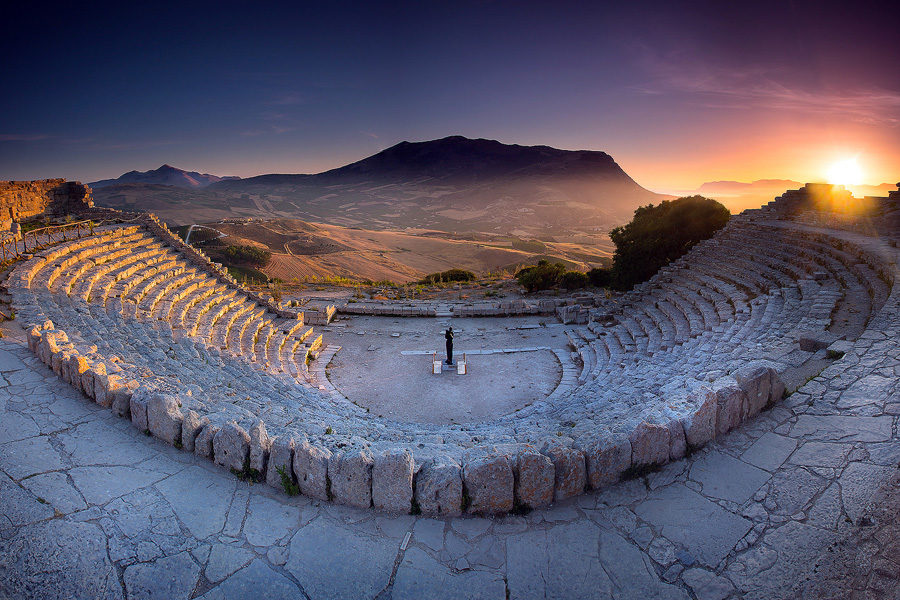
x=600 y=277
x=657 y=235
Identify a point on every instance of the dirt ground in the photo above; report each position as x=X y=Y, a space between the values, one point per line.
x=391 y=374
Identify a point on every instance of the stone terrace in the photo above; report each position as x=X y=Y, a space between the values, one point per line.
x=703 y=346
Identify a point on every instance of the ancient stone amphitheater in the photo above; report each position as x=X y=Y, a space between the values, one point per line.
x=150 y=329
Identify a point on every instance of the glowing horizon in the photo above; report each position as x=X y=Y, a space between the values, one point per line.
x=302 y=89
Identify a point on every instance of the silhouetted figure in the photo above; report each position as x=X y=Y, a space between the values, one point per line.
x=448 y=335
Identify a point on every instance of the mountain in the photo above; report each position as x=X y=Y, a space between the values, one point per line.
x=451 y=184
x=458 y=159
x=165 y=175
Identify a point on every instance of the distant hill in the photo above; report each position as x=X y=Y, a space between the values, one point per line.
x=738 y=195
x=165 y=175
x=450 y=184
x=739 y=187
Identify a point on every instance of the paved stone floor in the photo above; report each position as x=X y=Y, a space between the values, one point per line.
x=384 y=364
x=780 y=508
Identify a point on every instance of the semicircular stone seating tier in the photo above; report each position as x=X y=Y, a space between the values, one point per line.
x=197 y=361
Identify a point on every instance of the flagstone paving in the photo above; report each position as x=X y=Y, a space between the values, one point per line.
x=800 y=502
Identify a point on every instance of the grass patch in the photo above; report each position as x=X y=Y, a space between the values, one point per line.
x=290 y=488
x=248 y=275
x=414 y=508
x=246 y=473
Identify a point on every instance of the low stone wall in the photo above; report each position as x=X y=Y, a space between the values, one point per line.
x=23 y=199
x=504 y=308
x=320 y=317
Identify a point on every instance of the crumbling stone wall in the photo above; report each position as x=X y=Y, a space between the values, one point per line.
x=23 y=199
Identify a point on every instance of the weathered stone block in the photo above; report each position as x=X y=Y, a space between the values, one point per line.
x=75 y=370
x=754 y=382
x=121 y=400
x=489 y=483
x=760 y=381
x=89 y=378
x=534 y=476
x=231 y=446
x=731 y=404
x=607 y=457
x=65 y=356
x=34 y=339
x=138 y=408
x=649 y=444
x=439 y=487
x=311 y=466
x=259 y=447
x=164 y=418
x=101 y=385
x=57 y=358
x=570 y=472
x=281 y=455
x=700 y=424
x=392 y=480
x=191 y=426
x=203 y=443
x=350 y=473
x=677 y=441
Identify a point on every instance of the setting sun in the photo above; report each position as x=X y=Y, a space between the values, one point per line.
x=845 y=172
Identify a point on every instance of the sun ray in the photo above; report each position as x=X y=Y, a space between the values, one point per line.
x=845 y=172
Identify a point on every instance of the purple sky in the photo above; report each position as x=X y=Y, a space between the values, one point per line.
x=677 y=94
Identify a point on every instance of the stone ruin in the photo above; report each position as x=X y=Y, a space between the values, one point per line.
x=24 y=199
x=149 y=328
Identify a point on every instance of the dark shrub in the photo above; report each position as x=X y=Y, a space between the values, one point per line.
x=574 y=280
x=248 y=255
x=449 y=276
x=542 y=276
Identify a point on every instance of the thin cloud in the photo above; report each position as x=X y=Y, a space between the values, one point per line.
x=134 y=145
x=288 y=99
x=273 y=129
x=760 y=88
x=23 y=137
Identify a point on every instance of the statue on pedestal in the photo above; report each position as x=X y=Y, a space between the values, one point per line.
x=448 y=335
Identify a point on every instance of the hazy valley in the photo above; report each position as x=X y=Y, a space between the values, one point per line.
x=453 y=184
